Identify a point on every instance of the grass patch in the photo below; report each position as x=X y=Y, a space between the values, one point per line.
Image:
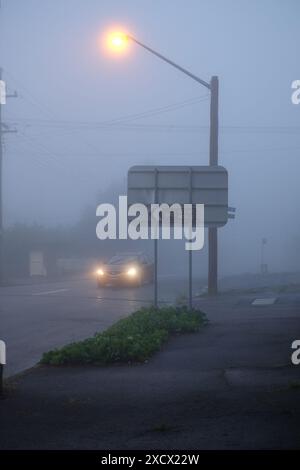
x=132 y=339
x=163 y=427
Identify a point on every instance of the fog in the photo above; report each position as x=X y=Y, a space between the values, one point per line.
x=83 y=115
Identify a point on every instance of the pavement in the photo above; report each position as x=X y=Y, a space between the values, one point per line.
x=230 y=386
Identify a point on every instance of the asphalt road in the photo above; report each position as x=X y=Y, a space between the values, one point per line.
x=37 y=318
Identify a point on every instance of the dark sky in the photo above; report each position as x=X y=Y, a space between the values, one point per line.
x=69 y=86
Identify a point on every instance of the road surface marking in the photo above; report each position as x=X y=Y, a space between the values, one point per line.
x=50 y=292
x=263 y=302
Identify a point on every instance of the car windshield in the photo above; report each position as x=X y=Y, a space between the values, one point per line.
x=122 y=259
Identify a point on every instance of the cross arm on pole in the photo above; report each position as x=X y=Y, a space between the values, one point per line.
x=12 y=95
x=9 y=131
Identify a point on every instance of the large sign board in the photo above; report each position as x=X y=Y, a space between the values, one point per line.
x=206 y=185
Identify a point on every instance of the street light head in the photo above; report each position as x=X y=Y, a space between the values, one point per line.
x=117 y=41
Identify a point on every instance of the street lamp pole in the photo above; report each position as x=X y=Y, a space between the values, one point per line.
x=213 y=86
x=213 y=160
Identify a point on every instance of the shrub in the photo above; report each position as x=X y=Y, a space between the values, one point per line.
x=134 y=338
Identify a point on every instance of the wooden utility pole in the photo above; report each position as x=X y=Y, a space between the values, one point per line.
x=213 y=160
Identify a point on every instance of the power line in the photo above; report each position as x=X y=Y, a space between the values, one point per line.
x=89 y=126
x=56 y=159
x=112 y=122
x=134 y=154
x=135 y=116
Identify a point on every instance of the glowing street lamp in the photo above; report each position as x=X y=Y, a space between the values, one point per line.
x=117 y=41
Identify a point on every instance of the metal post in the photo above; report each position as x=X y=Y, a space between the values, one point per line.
x=1 y=193
x=190 y=280
x=262 y=257
x=2 y=364
x=263 y=265
x=213 y=160
x=190 y=251
x=155 y=247
x=1 y=379
x=155 y=274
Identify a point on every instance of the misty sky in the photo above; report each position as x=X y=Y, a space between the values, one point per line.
x=69 y=86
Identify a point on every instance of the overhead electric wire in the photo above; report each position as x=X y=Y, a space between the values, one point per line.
x=56 y=159
x=166 y=128
x=123 y=124
x=112 y=122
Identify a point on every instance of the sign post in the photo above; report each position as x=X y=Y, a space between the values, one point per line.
x=190 y=251
x=2 y=363
x=155 y=247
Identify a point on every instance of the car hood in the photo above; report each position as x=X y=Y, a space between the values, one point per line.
x=115 y=268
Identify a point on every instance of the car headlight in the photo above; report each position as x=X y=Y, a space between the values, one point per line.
x=132 y=272
x=100 y=272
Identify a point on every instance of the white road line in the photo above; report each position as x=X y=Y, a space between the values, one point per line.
x=263 y=302
x=50 y=292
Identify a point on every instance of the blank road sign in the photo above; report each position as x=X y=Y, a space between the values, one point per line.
x=206 y=185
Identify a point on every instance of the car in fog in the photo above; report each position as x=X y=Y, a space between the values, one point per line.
x=130 y=269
